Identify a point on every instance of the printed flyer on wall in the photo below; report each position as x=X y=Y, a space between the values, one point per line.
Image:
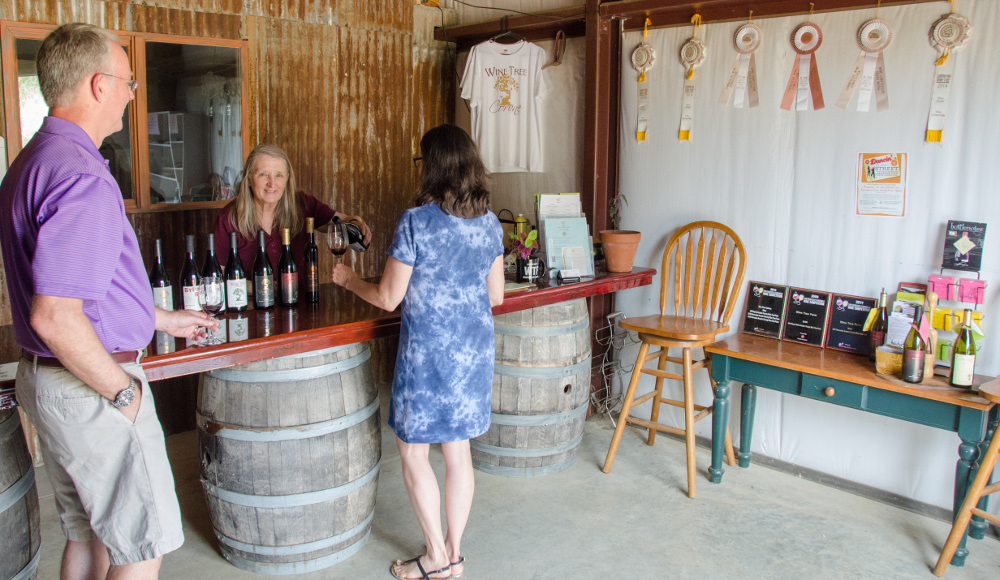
x=881 y=184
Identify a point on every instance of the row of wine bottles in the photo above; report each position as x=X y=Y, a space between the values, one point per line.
x=963 y=352
x=268 y=285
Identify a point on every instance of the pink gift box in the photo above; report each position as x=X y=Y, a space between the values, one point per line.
x=943 y=286
x=971 y=290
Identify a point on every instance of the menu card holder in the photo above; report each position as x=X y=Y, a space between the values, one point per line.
x=846 y=325
x=807 y=317
x=765 y=309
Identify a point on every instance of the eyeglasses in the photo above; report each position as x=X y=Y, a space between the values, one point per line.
x=416 y=162
x=132 y=84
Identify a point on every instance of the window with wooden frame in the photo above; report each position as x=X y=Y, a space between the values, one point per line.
x=184 y=136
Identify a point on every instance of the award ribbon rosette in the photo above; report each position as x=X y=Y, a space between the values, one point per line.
x=951 y=31
x=868 y=75
x=803 y=88
x=643 y=58
x=743 y=77
x=692 y=55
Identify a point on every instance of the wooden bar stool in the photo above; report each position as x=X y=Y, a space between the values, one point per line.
x=977 y=490
x=703 y=264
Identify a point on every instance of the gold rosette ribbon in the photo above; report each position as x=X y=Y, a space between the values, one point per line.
x=742 y=80
x=868 y=74
x=692 y=55
x=803 y=89
x=643 y=58
x=950 y=32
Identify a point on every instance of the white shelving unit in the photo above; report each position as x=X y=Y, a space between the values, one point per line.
x=177 y=155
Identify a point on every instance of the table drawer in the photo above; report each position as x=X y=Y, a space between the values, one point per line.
x=833 y=391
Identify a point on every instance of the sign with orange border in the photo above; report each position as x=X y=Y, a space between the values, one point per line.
x=881 y=184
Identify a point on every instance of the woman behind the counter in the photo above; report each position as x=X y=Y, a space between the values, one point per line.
x=266 y=199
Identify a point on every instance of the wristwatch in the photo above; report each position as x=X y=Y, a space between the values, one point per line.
x=125 y=397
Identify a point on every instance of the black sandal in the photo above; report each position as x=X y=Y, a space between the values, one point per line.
x=460 y=562
x=424 y=574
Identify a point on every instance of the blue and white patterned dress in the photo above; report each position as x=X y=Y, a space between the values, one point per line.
x=442 y=386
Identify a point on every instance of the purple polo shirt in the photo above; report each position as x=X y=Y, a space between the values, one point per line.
x=64 y=232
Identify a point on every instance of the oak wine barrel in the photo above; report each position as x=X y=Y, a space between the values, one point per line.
x=19 y=518
x=541 y=391
x=290 y=450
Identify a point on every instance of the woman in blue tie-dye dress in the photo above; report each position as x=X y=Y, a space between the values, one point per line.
x=445 y=266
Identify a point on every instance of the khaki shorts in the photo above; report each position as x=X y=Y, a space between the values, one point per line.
x=111 y=477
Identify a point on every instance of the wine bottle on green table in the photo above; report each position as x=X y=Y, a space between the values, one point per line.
x=879 y=327
x=287 y=272
x=190 y=278
x=914 y=351
x=263 y=275
x=236 y=278
x=163 y=290
x=963 y=354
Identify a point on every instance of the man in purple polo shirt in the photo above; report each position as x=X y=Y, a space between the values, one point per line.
x=82 y=307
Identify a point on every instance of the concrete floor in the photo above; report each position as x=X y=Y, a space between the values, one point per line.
x=636 y=522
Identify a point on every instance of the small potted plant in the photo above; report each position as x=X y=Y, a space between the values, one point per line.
x=522 y=250
x=619 y=245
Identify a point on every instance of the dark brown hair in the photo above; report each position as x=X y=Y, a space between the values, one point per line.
x=452 y=173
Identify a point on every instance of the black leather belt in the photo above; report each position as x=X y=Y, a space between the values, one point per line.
x=122 y=357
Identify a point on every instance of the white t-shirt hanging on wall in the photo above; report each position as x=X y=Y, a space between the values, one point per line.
x=505 y=85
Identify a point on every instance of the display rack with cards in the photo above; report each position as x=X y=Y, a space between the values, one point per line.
x=564 y=234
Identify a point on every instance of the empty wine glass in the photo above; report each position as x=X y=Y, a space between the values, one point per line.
x=212 y=299
x=337 y=240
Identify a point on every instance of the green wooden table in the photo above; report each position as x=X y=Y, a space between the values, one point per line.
x=848 y=380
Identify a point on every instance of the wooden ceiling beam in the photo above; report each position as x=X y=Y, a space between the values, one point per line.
x=664 y=13
x=537 y=26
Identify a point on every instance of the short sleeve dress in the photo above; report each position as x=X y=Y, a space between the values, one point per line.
x=442 y=386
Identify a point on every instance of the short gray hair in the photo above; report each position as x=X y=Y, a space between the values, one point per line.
x=69 y=54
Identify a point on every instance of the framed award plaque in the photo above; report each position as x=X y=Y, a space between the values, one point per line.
x=765 y=309
x=846 y=327
x=807 y=316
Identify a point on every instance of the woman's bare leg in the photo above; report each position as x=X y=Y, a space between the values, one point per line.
x=459 y=486
x=425 y=498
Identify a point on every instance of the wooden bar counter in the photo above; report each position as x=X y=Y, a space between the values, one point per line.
x=339 y=318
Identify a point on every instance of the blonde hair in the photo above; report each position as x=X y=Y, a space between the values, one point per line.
x=242 y=214
x=69 y=54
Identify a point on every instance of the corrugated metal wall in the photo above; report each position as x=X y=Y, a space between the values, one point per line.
x=345 y=87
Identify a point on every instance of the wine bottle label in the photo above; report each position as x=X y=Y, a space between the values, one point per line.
x=190 y=294
x=239 y=329
x=290 y=287
x=312 y=278
x=913 y=365
x=265 y=291
x=962 y=369
x=236 y=292
x=164 y=297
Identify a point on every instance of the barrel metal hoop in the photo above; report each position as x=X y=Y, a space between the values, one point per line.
x=519 y=372
x=524 y=471
x=9 y=425
x=288 y=375
x=511 y=452
x=296 y=432
x=14 y=493
x=539 y=420
x=292 y=500
x=298 y=548
x=558 y=330
x=320 y=352
x=282 y=568
x=29 y=569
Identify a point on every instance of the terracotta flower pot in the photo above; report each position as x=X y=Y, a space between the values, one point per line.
x=619 y=249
